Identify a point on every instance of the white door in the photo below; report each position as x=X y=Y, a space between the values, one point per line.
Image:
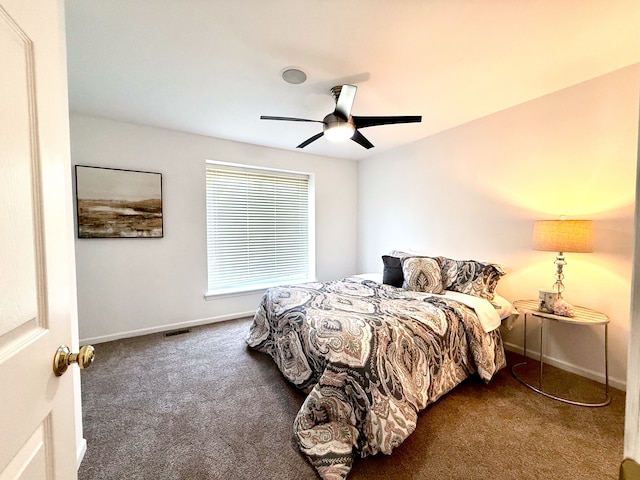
x=37 y=265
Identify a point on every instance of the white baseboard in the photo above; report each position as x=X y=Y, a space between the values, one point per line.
x=583 y=372
x=81 y=449
x=164 y=328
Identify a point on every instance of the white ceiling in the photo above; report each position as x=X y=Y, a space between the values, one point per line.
x=212 y=67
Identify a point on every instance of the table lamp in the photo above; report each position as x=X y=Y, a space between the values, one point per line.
x=574 y=236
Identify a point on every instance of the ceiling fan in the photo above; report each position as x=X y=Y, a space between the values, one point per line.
x=340 y=124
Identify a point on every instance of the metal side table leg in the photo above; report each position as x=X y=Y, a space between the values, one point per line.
x=541 y=349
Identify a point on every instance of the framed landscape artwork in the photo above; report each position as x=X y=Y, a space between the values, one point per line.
x=114 y=203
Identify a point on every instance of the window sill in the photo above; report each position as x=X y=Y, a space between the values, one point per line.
x=236 y=292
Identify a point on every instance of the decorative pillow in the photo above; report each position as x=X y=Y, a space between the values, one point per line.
x=392 y=273
x=471 y=277
x=422 y=274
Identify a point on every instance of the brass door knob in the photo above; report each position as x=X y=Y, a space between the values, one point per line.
x=63 y=358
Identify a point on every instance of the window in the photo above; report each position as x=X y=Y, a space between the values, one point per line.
x=259 y=228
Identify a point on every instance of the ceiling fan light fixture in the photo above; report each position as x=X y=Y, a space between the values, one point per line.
x=340 y=132
x=337 y=129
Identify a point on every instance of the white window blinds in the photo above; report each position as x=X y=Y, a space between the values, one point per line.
x=258 y=228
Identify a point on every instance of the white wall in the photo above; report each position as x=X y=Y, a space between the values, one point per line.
x=135 y=286
x=474 y=192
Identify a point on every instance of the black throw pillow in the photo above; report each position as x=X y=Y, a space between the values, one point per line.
x=392 y=274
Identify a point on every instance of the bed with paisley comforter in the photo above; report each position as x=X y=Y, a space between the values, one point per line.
x=370 y=356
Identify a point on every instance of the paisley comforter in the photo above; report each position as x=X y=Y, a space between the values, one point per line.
x=370 y=357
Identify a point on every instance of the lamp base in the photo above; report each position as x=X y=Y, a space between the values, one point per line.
x=560 y=263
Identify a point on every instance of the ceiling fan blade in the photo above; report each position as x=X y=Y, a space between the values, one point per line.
x=344 y=103
x=362 y=140
x=290 y=119
x=362 y=122
x=309 y=140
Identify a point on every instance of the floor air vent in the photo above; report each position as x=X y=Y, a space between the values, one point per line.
x=176 y=332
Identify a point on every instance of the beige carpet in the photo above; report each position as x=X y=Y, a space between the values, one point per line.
x=202 y=406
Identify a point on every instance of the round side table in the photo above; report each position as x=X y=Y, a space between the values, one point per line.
x=583 y=316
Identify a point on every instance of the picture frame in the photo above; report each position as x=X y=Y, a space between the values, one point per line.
x=118 y=203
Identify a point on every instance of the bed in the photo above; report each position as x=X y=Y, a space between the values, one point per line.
x=370 y=355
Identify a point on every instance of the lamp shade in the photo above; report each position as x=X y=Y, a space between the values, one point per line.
x=563 y=236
